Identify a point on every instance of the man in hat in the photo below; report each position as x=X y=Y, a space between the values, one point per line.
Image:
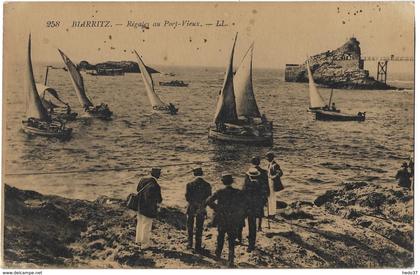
x=196 y=195
x=229 y=208
x=403 y=176
x=264 y=188
x=274 y=175
x=253 y=192
x=149 y=199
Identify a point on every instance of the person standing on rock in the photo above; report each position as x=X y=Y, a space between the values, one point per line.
x=149 y=198
x=264 y=190
x=229 y=208
x=253 y=194
x=196 y=195
x=403 y=176
x=274 y=181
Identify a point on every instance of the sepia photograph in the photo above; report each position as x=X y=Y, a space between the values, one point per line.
x=208 y=135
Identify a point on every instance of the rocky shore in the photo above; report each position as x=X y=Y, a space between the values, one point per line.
x=358 y=225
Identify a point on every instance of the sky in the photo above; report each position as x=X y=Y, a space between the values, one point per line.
x=283 y=32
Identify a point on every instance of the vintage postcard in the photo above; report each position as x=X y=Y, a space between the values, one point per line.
x=208 y=135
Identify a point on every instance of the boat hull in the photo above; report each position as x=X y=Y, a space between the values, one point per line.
x=61 y=134
x=99 y=112
x=242 y=139
x=334 y=116
x=165 y=110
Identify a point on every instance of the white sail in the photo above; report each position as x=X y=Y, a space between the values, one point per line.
x=226 y=106
x=148 y=82
x=246 y=105
x=77 y=81
x=43 y=91
x=34 y=105
x=316 y=101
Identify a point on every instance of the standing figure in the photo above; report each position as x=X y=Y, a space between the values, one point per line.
x=403 y=176
x=229 y=215
x=150 y=197
x=274 y=175
x=196 y=195
x=411 y=165
x=253 y=192
x=264 y=188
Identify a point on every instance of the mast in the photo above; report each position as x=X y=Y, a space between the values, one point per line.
x=34 y=105
x=246 y=104
x=226 y=106
x=329 y=103
x=154 y=99
x=77 y=81
x=46 y=76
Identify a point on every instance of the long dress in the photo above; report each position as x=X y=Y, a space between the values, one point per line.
x=274 y=173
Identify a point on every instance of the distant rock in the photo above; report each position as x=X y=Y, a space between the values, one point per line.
x=126 y=66
x=340 y=68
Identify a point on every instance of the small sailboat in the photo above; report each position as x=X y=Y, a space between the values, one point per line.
x=323 y=111
x=157 y=104
x=38 y=121
x=51 y=100
x=100 y=111
x=237 y=118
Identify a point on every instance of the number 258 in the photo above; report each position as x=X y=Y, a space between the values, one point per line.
x=53 y=24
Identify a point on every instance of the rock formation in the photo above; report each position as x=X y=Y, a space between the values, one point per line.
x=126 y=66
x=340 y=68
x=358 y=225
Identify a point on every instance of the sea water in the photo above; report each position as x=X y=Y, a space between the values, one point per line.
x=108 y=157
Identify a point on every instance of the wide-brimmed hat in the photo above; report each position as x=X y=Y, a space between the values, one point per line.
x=404 y=165
x=253 y=172
x=198 y=171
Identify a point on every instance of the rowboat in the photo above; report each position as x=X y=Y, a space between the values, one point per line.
x=38 y=120
x=100 y=111
x=237 y=118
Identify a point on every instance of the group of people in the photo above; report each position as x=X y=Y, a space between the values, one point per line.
x=232 y=207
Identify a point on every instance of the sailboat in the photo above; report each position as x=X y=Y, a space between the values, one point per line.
x=157 y=104
x=324 y=111
x=100 y=111
x=51 y=100
x=237 y=118
x=38 y=121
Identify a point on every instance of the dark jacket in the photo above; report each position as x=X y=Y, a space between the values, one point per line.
x=263 y=179
x=196 y=195
x=230 y=209
x=403 y=177
x=149 y=197
x=255 y=195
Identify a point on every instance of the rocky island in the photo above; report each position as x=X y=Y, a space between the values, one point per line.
x=358 y=225
x=123 y=66
x=340 y=68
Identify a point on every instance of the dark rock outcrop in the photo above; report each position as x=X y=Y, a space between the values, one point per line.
x=126 y=66
x=340 y=68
